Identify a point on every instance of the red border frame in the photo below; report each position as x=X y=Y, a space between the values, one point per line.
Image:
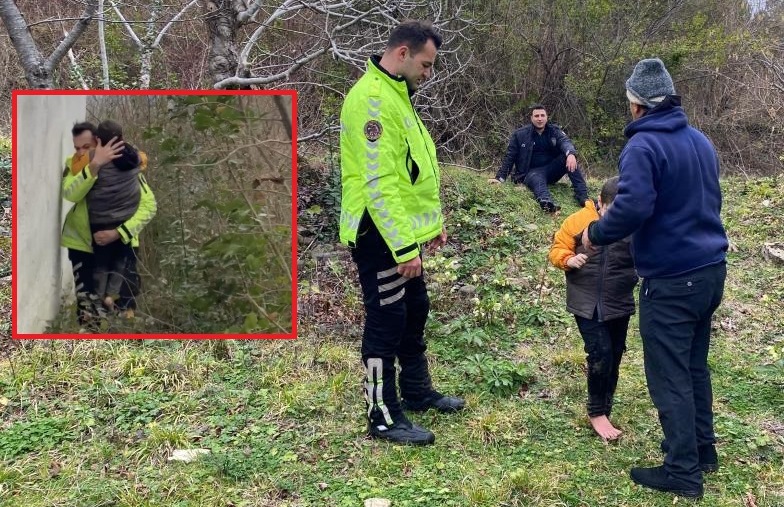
x=30 y=336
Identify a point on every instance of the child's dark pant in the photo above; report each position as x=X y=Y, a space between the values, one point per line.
x=131 y=283
x=605 y=343
x=111 y=263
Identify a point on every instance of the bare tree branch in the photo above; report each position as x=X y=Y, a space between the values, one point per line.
x=273 y=78
x=38 y=70
x=102 y=47
x=157 y=42
x=127 y=25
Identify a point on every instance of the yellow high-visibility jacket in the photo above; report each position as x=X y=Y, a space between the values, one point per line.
x=388 y=165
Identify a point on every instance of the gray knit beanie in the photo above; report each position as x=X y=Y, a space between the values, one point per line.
x=649 y=83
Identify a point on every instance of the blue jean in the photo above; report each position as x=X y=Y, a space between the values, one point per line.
x=538 y=178
x=675 y=324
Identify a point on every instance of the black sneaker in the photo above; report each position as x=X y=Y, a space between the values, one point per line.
x=549 y=206
x=709 y=459
x=403 y=432
x=657 y=478
x=437 y=401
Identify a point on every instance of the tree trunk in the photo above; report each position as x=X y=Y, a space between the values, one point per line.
x=146 y=68
x=222 y=23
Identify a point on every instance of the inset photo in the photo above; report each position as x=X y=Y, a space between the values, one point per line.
x=154 y=214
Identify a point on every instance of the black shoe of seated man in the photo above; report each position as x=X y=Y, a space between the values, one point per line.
x=437 y=401
x=709 y=459
x=403 y=432
x=549 y=206
x=657 y=478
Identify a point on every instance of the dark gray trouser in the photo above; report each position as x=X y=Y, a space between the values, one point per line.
x=675 y=324
x=395 y=314
x=538 y=178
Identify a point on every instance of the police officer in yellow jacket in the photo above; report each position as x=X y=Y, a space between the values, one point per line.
x=390 y=208
x=79 y=176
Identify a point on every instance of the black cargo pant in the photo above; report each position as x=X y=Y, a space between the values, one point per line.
x=675 y=324
x=396 y=310
x=87 y=304
x=538 y=178
x=605 y=342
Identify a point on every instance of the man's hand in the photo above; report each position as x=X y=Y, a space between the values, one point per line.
x=439 y=240
x=103 y=238
x=410 y=269
x=587 y=241
x=577 y=261
x=494 y=181
x=105 y=153
x=571 y=162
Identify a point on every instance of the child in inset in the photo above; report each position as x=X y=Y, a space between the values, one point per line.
x=599 y=285
x=113 y=199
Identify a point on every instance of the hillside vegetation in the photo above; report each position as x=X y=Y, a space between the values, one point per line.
x=86 y=423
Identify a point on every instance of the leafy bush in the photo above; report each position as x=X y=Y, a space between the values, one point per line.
x=499 y=376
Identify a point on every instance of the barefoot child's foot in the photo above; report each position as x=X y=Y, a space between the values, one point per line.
x=108 y=302
x=604 y=428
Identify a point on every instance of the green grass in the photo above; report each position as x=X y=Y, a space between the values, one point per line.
x=284 y=420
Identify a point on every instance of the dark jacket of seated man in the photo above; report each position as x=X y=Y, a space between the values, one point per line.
x=518 y=154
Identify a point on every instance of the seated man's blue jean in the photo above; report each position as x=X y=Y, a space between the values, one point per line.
x=538 y=178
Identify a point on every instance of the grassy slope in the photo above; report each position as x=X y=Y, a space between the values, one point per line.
x=88 y=423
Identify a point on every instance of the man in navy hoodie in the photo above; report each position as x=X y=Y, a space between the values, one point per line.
x=669 y=199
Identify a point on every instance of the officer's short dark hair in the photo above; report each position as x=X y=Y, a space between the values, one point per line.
x=415 y=35
x=80 y=127
x=609 y=190
x=108 y=129
x=534 y=107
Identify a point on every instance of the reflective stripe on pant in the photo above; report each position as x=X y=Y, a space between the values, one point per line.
x=675 y=322
x=396 y=309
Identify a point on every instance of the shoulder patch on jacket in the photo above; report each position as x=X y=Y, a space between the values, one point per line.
x=373 y=130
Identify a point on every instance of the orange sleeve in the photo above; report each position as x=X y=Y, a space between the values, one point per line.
x=79 y=162
x=564 y=242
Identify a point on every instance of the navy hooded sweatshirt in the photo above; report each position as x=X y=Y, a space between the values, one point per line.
x=669 y=197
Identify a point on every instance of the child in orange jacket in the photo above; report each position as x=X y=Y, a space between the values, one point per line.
x=599 y=286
